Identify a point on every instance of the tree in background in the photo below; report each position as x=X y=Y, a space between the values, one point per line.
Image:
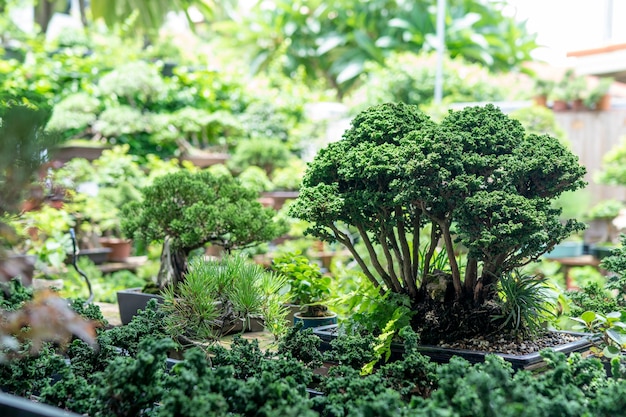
x=333 y=41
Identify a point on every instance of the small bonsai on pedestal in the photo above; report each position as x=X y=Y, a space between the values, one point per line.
x=186 y=211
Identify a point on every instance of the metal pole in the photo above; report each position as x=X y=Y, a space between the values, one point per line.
x=441 y=15
x=608 y=24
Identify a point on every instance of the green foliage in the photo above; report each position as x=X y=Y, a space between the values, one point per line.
x=301 y=344
x=191 y=310
x=410 y=78
x=135 y=84
x=52 y=242
x=611 y=328
x=255 y=178
x=187 y=210
x=13 y=294
x=594 y=94
x=218 y=296
x=606 y=209
x=353 y=350
x=268 y=154
x=525 y=304
x=28 y=374
x=146 y=324
x=613 y=165
x=307 y=285
x=129 y=386
x=335 y=42
x=476 y=175
x=539 y=120
x=616 y=263
x=591 y=297
x=23 y=147
x=192 y=209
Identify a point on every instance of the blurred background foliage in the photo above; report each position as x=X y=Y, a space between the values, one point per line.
x=154 y=81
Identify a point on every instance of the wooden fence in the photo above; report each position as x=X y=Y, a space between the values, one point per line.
x=592 y=134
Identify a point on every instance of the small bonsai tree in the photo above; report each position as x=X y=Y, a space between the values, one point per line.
x=403 y=183
x=187 y=210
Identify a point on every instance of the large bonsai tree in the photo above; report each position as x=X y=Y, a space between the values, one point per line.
x=399 y=188
x=188 y=210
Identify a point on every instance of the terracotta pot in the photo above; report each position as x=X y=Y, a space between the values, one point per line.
x=120 y=248
x=578 y=105
x=206 y=160
x=604 y=103
x=541 y=100
x=559 y=105
x=67 y=153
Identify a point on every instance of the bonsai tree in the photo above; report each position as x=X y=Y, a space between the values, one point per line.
x=188 y=210
x=401 y=184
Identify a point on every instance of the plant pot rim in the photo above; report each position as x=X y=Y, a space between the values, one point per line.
x=330 y=315
x=328 y=332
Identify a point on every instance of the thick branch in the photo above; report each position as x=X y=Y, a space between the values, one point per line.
x=471 y=274
x=383 y=238
x=407 y=267
x=393 y=285
x=345 y=240
x=456 y=275
x=416 y=246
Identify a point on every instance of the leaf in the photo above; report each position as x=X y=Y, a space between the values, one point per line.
x=588 y=316
x=611 y=351
x=616 y=336
x=350 y=71
x=329 y=43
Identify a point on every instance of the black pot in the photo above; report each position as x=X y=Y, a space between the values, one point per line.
x=132 y=300
x=442 y=355
x=11 y=405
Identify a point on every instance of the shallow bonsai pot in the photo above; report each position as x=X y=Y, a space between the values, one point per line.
x=206 y=160
x=132 y=300
x=443 y=355
x=313 y=322
x=566 y=250
x=279 y=198
x=97 y=255
x=69 y=152
x=600 y=251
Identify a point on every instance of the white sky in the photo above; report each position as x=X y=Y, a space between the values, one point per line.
x=568 y=25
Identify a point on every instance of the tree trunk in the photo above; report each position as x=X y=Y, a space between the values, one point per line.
x=44 y=9
x=173 y=265
x=83 y=14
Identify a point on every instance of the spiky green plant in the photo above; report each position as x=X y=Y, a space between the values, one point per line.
x=524 y=302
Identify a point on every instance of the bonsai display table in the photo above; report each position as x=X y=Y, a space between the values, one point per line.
x=568 y=263
x=129 y=264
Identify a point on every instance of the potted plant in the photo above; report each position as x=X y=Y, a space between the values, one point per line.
x=475 y=175
x=187 y=210
x=542 y=89
x=597 y=97
x=308 y=289
x=101 y=187
x=224 y=296
x=602 y=235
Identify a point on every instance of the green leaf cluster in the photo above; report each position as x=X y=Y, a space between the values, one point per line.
x=307 y=284
x=193 y=209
